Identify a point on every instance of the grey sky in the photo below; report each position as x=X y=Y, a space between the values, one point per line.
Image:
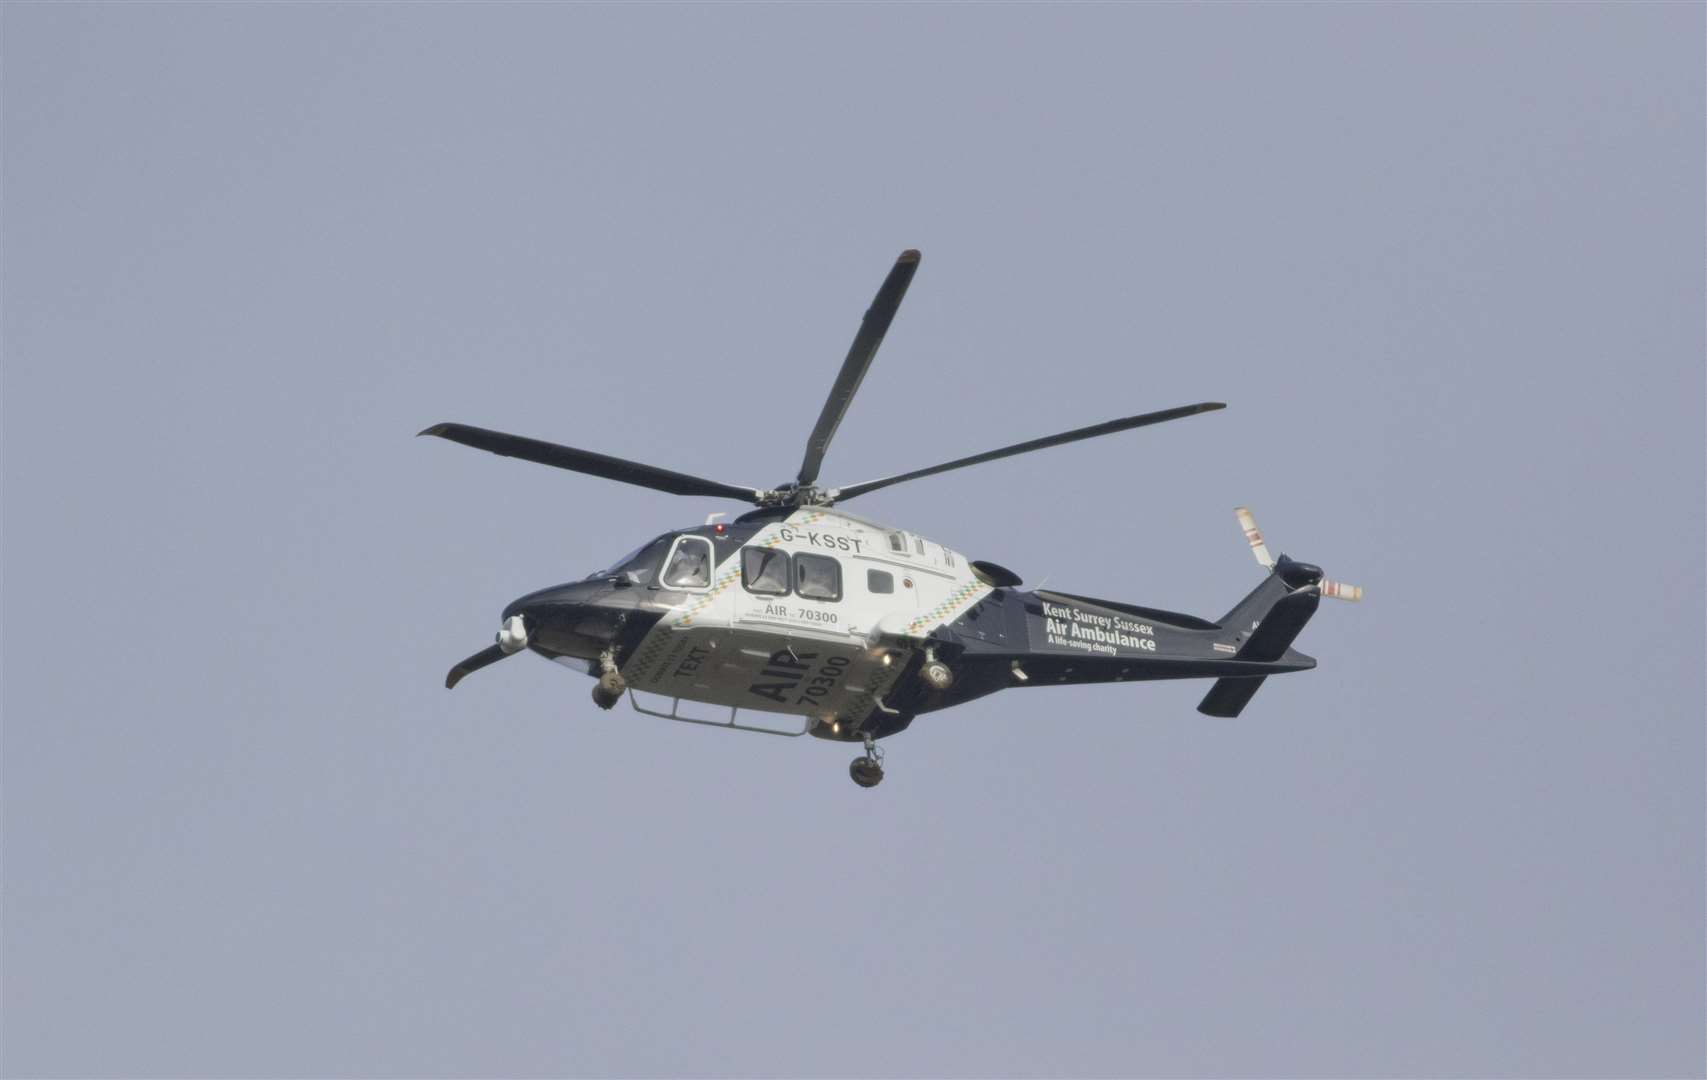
x=1445 y=264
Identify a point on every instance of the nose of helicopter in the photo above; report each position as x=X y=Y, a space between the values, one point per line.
x=555 y=606
x=578 y=619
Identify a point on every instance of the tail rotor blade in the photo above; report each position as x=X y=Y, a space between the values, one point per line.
x=1339 y=590
x=1253 y=536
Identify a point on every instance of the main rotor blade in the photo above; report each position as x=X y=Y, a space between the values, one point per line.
x=865 y=343
x=1091 y=432
x=585 y=461
x=490 y=655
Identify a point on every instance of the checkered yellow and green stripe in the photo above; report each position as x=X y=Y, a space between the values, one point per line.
x=727 y=578
x=963 y=597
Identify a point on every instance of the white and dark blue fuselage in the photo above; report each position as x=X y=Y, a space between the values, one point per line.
x=825 y=616
x=798 y=609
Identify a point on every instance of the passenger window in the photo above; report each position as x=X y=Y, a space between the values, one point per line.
x=817 y=577
x=880 y=581
x=764 y=570
x=690 y=564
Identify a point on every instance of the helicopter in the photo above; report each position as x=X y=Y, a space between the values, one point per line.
x=799 y=618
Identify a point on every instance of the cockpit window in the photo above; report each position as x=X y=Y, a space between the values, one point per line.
x=641 y=563
x=690 y=564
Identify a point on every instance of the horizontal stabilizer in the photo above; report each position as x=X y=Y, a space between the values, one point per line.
x=1228 y=697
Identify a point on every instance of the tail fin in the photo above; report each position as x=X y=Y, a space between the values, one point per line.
x=1265 y=623
x=1247 y=613
x=1277 y=630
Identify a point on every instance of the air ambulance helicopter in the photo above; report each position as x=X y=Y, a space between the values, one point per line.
x=847 y=629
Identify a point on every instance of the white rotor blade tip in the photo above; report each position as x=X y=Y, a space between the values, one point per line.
x=1253 y=536
x=1339 y=590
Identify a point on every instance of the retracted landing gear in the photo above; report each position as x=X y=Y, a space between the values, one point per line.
x=611 y=685
x=867 y=769
x=936 y=673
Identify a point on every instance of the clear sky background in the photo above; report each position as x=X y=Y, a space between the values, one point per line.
x=1445 y=264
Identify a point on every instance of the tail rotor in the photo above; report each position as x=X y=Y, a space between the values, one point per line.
x=1263 y=625
x=1300 y=576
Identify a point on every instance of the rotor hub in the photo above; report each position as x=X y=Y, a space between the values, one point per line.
x=792 y=494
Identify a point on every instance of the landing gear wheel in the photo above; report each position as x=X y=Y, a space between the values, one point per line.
x=609 y=691
x=611 y=684
x=867 y=769
x=938 y=675
x=866 y=772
